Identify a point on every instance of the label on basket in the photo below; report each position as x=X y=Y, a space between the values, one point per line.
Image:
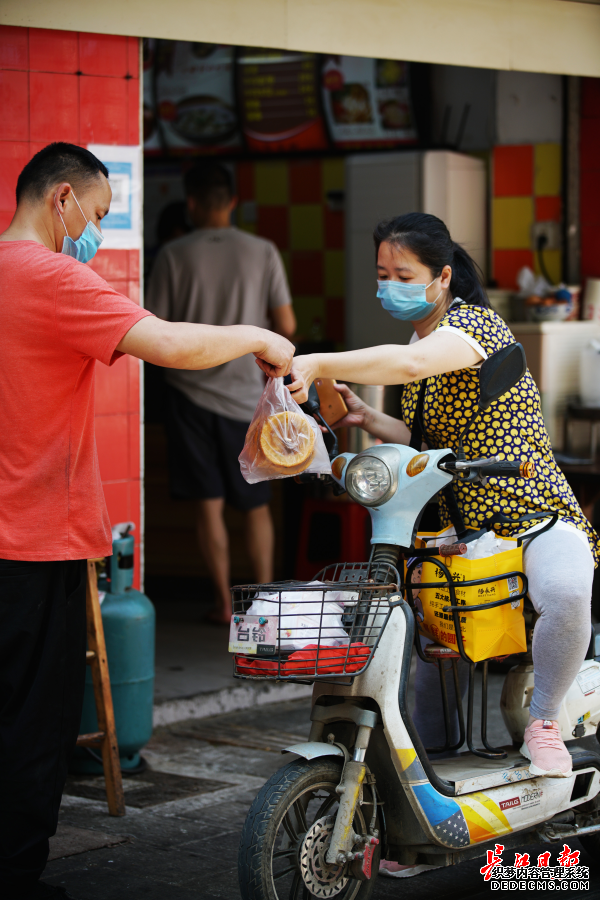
x=253 y=635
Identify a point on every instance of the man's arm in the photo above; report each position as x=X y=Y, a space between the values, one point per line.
x=183 y=345
x=283 y=320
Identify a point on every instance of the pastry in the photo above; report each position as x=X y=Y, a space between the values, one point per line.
x=287 y=440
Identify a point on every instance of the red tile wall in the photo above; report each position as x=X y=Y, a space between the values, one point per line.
x=81 y=88
x=513 y=171
x=589 y=161
x=513 y=176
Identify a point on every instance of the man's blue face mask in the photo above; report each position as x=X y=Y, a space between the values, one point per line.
x=407 y=302
x=86 y=246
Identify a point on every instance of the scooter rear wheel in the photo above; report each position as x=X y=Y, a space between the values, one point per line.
x=281 y=849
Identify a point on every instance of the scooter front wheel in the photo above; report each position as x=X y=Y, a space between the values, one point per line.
x=286 y=833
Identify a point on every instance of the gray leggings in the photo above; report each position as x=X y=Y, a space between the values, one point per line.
x=560 y=572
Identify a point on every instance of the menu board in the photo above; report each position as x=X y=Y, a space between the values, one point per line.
x=367 y=102
x=279 y=100
x=212 y=98
x=189 y=97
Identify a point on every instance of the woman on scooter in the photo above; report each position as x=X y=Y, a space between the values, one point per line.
x=426 y=278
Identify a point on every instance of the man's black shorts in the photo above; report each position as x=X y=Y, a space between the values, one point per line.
x=203 y=450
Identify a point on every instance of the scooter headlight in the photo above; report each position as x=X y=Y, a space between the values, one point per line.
x=368 y=480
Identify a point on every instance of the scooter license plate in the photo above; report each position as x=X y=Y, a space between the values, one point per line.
x=253 y=635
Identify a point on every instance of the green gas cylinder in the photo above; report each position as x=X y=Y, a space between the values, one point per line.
x=129 y=627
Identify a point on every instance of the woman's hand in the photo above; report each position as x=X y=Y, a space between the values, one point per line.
x=304 y=371
x=359 y=414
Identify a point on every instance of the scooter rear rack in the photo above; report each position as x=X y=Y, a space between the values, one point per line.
x=433 y=658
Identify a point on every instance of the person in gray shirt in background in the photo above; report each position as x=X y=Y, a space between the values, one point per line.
x=219 y=275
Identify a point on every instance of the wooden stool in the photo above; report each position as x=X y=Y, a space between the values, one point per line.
x=106 y=738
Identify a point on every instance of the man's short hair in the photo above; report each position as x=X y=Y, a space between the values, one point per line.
x=210 y=184
x=54 y=164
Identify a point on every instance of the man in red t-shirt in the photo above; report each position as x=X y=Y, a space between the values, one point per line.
x=57 y=317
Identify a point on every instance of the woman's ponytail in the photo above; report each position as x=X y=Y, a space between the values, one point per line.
x=467 y=278
x=428 y=238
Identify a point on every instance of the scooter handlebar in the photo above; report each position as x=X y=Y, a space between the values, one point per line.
x=500 y=468
x=509 y=468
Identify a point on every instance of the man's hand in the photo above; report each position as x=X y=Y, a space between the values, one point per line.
x=275 y=358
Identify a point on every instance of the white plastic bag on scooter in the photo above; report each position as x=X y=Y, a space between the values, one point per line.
x=306 y=617
x=487 y=545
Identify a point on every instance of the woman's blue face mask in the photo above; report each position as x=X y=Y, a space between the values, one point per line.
x=407 y=302
x=86 y=246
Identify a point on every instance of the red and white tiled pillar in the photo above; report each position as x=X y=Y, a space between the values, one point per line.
x=85 y=89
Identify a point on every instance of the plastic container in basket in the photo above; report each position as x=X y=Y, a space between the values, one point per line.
x=323 y=630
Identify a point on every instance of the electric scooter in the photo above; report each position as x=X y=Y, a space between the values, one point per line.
x=363 y=787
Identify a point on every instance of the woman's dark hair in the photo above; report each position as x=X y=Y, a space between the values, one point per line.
x=428 y=238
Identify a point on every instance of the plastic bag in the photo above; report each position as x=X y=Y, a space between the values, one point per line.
x=530 y=284
x=481 y=548
x=305 y=616
x=487 y=545
x=282 y=441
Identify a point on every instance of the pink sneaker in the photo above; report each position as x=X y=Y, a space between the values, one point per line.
x=545 y=748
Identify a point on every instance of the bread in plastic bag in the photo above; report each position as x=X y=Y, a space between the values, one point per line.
x=282 y=441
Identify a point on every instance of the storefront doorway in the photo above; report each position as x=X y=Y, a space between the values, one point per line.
x=534 y=134
x=320 y=148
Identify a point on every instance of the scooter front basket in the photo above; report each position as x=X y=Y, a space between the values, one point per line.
x=327 y=629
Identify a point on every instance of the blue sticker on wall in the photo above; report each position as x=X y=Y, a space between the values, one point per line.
x=120 y=175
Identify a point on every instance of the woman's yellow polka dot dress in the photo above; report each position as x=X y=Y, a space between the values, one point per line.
x=513 y=428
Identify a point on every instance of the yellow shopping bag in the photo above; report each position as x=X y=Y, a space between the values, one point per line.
x=499 y=631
